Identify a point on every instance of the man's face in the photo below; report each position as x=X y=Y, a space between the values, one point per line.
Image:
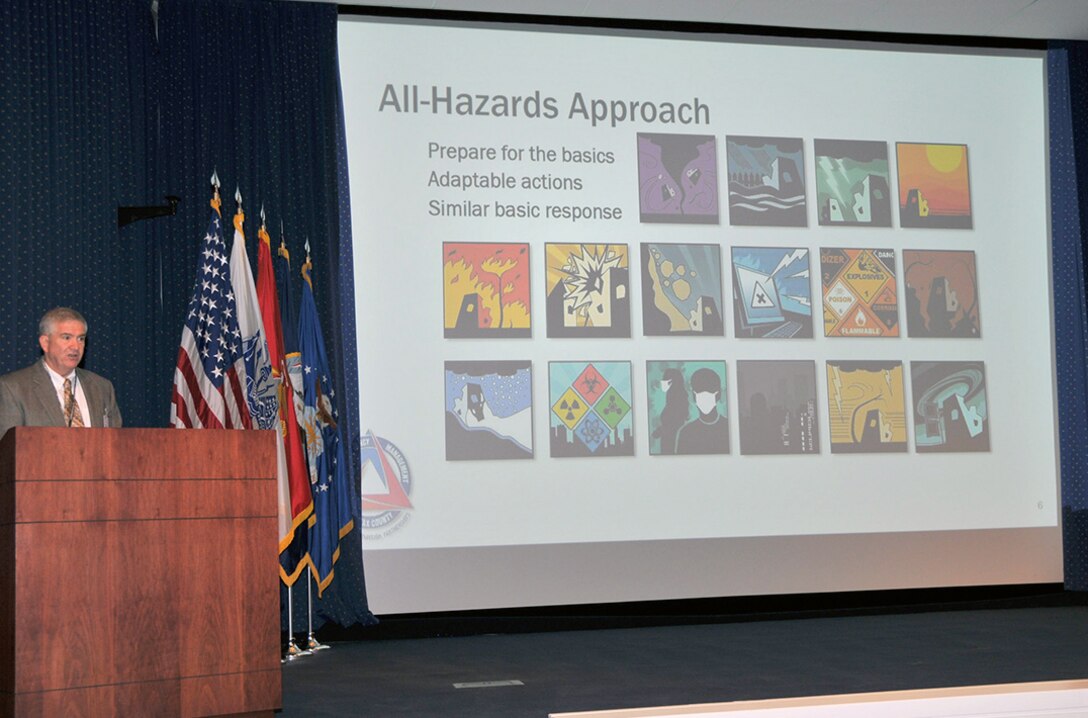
x=63 y=346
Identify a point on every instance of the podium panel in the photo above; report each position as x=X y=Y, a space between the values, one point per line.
x=141 y=573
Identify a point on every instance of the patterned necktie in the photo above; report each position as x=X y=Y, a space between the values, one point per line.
x=72 y=414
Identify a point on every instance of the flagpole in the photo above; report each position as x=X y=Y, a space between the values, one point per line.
x=293 y=651
x=311 y=641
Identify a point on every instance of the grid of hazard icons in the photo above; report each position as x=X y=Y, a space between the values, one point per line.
x=695 y=403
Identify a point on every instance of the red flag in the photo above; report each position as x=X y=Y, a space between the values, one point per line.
x=295 y=501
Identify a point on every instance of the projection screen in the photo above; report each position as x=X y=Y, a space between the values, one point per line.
x=649 y=316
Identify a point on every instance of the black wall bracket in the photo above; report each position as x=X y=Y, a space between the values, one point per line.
x=128 y=215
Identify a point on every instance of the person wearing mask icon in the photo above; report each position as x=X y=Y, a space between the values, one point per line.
x=708 y=433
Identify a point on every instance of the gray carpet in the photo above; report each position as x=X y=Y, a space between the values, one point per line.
x=633 y=667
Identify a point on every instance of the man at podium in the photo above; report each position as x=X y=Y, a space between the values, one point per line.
x=54 y=391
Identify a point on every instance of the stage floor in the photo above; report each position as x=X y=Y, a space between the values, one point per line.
x=535 y=674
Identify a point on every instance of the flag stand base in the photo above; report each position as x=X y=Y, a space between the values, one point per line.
x=294 y=652
x=313 y=645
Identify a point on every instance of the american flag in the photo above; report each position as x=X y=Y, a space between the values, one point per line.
x=209 y=381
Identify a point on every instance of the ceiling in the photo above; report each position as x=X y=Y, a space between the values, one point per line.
x=1023 y=19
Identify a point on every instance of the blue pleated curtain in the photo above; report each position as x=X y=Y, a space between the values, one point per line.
x=1067 y=73
x=117 y=103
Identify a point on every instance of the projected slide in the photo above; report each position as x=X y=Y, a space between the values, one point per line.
x=681 y=317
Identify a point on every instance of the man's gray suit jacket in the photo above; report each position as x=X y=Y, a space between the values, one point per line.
x=28 y=398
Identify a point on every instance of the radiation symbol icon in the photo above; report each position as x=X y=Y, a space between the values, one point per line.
x=570 y=408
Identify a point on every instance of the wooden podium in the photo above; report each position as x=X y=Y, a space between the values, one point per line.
x=141 y=573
